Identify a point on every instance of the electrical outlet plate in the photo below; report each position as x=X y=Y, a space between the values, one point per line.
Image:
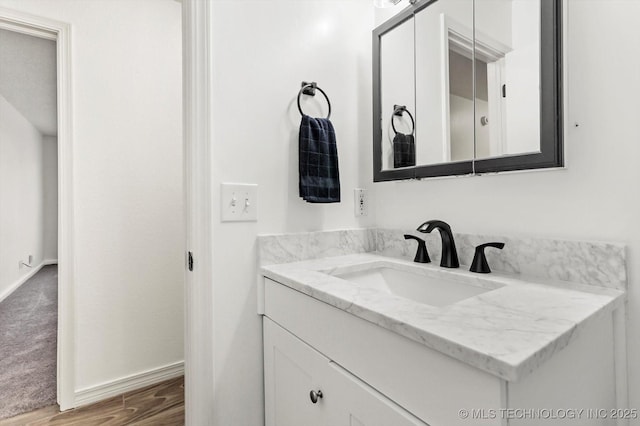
x=361 y=203
x=26 y=264
x=239 y=202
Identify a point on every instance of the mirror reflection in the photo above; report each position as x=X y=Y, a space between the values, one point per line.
x=507 y=55
x=453 y=91
x=397 y=68
x=444 y=85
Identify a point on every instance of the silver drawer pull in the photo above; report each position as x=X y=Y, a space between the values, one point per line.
x=315 y=396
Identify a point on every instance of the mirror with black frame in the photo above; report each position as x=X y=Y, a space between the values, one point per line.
x=458 y=97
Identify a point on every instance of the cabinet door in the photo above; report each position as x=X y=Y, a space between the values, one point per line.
x=292 y=370
x=358 y=404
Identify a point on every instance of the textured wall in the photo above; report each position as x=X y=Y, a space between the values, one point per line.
x=21 y=196
x=50 y=182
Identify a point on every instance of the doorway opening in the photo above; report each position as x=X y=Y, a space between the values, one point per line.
x=37 y=222
x=28 y=222
x=474 y=92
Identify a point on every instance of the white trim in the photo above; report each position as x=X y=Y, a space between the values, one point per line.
x=61 y=32
x=50 y=262
x=497 y=107
x=446 y=90
x=504 y=400
x=16 y=285
x=128 y=383
x=66 y=228
x=620 y=360
x=471 y=43
x=199 y=332
x=27 y=24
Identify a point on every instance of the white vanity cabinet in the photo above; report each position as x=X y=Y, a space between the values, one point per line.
x=293 y=370
x=371 y=376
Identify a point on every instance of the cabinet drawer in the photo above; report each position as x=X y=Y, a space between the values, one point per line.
x=293 y=369
x=428 y=384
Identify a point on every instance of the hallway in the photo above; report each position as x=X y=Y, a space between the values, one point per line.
x=28 y=342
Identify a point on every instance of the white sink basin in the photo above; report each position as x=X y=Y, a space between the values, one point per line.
x=434 y=291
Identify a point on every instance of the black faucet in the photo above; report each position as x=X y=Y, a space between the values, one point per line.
x=449 y=257
x=422 y=255
x=480 y=264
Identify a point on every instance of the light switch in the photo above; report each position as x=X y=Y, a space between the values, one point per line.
x=239 y=202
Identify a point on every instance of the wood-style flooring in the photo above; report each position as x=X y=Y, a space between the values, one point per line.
x=157 y=405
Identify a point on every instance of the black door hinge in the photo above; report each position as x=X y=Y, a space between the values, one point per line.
x=190 y=261
x=504 y=90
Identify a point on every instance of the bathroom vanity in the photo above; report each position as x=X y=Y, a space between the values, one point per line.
x=356 y=334
x=356 y=340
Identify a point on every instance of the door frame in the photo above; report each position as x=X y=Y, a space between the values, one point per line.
x=474 y=45
x=60 y=32
x=198 y=155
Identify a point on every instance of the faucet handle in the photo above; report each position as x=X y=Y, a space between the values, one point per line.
x=479 y=263
x=430 y=225
x=422 y=256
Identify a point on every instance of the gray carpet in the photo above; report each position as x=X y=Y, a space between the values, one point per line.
x=28 y=340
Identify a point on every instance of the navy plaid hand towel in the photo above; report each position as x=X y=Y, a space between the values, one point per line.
x=404 y=151
x=318 y=161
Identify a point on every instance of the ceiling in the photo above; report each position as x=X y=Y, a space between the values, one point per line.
x=28 y=78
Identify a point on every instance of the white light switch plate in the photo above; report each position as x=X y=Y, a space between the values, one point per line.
x=239 y=202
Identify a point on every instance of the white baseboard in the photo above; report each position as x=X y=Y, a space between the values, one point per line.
x=13 y=287
x=50 y=262
x=129 y=383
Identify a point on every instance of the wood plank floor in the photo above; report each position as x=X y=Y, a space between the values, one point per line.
x=157 y=405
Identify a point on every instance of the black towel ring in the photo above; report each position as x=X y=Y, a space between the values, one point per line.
x=399 y=110
x=308 y=89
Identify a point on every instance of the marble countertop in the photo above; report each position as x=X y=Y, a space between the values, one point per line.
x=508 y=331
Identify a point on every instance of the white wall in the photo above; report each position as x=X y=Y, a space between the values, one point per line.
x=21 y=196
x=595 y=198
x=28 y=78
x=50 y=185
x=126 y=68
x=262 y=51
x=523 y=79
